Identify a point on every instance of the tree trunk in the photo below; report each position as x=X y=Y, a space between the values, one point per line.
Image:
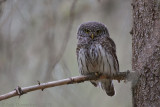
x=146 y=52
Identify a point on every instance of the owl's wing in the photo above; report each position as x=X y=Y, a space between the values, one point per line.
x=110 y=47
x=79 y=46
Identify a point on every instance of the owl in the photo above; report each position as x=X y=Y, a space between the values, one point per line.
x=96 y=53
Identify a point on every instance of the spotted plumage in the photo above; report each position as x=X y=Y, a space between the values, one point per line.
x=96 y=52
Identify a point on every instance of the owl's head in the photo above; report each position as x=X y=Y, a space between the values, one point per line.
x=92 y=31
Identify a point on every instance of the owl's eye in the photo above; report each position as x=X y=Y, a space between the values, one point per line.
x=98 y=32
x=86 y=31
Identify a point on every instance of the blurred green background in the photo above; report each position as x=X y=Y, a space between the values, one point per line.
x=36 y=43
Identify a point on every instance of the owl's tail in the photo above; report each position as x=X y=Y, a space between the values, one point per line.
x=108 y=87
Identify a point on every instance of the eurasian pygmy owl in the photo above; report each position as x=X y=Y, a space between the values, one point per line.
x=96 y=52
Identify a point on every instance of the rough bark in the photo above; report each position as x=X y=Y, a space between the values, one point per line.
x=146 y=52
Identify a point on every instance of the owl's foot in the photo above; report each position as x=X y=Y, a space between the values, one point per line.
x=94 y=74
x=97 y=74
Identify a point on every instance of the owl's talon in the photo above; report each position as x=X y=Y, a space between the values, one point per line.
x=97 y=73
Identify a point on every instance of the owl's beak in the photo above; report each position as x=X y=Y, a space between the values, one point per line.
x=92 y=36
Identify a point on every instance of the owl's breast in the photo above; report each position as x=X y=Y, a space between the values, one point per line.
x=90 y=59
x=94 y=57
x=93 y=53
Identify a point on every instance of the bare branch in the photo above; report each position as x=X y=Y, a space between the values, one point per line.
x=78 y=79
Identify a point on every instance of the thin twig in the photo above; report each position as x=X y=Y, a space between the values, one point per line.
x=72 y=80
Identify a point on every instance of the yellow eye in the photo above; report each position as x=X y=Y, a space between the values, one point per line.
x=98 y=31
x=86 y=30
